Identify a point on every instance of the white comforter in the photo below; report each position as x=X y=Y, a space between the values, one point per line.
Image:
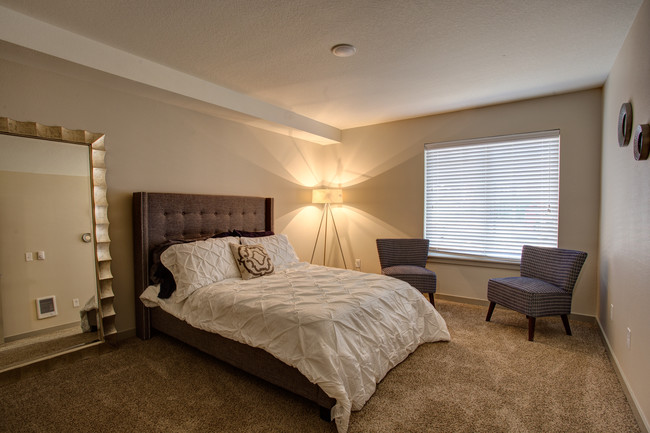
x=344 y=330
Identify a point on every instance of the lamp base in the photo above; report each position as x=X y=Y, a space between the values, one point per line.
x=327 y=211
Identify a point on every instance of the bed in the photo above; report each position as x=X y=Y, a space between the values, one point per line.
x=161 y=218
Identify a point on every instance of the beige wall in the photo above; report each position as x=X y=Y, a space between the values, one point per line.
x=382 y=167
x=625 y=217
x=42 y=212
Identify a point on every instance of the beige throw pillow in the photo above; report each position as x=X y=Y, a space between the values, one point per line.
x=277 y=247
x=252 y=260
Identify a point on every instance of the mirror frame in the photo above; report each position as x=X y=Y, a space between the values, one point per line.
x=95 y=141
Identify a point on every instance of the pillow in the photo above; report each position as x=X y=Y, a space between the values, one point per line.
x=277 y=247
x=159 y=274
x=245 y=234
x=199 y=263
x=252 y=260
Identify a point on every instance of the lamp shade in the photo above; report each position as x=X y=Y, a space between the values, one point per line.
x=327 y=196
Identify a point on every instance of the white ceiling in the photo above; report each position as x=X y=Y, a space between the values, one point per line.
x=414 y=57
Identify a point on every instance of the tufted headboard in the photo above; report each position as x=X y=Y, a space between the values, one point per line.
x=161 y=217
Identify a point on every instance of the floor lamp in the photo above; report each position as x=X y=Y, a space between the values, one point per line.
x=327 y=197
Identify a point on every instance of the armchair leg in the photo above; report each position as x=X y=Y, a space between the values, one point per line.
x=565 y=320
x=490 y=311
x=431 y=299
x=531 y=328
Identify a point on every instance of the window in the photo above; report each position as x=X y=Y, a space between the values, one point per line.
x=485 y=198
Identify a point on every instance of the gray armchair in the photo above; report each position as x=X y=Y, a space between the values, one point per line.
x=545 y=287
x=406 y=259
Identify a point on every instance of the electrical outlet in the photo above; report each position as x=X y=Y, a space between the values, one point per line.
x=628 y=340
x=357 y=263
x=29 y=257
x=40 y=255
x=611 y=311
x=75 y=302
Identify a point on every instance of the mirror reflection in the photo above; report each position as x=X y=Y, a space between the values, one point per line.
x=48 y=280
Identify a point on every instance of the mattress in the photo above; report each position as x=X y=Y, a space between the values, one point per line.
x=342 y=329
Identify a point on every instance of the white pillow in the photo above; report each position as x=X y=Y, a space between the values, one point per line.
x=277 y=247
x=197 y=264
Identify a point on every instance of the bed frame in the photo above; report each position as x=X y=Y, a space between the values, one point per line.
x=161 y=217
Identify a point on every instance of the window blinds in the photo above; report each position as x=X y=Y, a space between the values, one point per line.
x=485 y=198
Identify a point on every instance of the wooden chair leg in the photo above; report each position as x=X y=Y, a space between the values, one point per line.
x=531 y=328
x=490 y=311
x=565 y=320
x=431 y=299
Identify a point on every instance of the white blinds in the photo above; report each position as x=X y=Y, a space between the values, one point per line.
x=485 y=198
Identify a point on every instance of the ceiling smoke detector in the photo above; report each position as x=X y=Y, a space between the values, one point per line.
x=344 y=50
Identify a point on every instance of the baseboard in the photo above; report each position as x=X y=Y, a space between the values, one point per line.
x=124 y=335
x=486 y=303
x=43 y=331
x=462 y=299
x=634 y=404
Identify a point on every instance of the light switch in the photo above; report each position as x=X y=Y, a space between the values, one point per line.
x=29 y=257
x=40 y=255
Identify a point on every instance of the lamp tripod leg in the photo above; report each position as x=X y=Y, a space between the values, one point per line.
x=327 y=206
x=345 y=265
x=317 y=236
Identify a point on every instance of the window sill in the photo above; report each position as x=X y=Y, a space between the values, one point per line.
x=473 y=262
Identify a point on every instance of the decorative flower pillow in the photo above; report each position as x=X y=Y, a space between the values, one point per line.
x=252 y=260
x=277 y=247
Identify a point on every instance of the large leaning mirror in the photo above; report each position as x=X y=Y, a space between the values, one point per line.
x=55 y=281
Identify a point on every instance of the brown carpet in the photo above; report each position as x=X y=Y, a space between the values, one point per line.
x=489 y=378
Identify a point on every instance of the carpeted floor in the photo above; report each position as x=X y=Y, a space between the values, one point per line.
x=489 y=378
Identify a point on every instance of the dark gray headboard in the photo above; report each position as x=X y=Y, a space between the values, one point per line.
x=161 y=217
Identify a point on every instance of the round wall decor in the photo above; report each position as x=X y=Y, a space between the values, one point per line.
x=642 y=142
x=625 y=124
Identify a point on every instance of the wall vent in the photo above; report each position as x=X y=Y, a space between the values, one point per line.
x=46 y=307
